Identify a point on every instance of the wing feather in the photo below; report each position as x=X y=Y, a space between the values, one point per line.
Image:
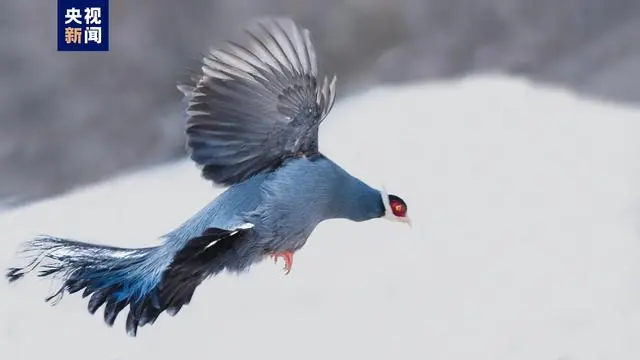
x=256 y=102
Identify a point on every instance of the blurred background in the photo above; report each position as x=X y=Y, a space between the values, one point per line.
x=69 y=119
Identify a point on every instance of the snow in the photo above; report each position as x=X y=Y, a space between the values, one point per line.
x=525 y=205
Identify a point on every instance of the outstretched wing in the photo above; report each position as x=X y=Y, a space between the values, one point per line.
x=257 y=102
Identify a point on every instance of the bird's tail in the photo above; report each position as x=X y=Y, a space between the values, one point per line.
x=148 y=280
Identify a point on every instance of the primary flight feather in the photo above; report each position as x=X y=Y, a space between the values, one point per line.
x=253 y=111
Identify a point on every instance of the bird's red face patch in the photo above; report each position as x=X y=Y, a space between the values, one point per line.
x=398 y=207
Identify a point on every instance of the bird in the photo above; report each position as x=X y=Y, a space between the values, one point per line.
x=252 y=110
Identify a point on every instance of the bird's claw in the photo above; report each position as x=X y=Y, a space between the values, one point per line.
x=288 y=260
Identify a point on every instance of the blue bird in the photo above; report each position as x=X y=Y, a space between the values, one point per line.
x=253 y=110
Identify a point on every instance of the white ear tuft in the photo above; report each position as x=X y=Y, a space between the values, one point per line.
x=388 y=214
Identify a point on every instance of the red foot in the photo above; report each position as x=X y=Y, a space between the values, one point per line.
x=288 y=260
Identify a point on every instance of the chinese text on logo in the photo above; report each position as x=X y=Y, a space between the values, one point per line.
x=83 y=25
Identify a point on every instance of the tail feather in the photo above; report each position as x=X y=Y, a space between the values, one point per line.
x=110 y=276
x=148 y=280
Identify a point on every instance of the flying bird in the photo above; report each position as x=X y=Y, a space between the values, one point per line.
x=253 y=109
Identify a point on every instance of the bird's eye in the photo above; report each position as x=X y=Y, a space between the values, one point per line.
x=398 y=209
x=397 y=206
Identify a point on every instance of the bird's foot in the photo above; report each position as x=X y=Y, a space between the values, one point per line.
x=288 y=259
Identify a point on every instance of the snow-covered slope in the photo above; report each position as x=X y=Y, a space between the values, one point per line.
x=525 y=203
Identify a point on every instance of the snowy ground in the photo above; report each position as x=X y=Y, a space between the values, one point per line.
x=525 y=203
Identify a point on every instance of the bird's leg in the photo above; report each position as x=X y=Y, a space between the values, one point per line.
x=288 y=259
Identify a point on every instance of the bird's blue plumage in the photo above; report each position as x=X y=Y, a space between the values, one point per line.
x=277 y=206
x=253 y=113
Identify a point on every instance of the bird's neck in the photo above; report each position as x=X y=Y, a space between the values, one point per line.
x=358 y=202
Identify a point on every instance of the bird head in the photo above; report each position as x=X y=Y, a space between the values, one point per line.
x=395 y=209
